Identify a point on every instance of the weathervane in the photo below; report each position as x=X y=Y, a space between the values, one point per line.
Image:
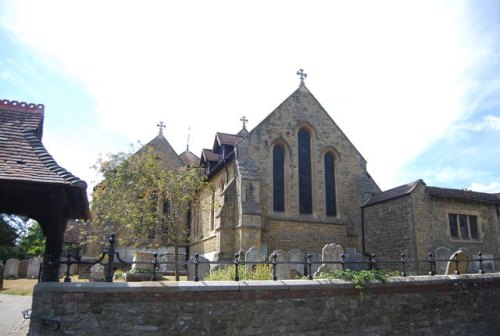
x=189 y=136
x=161 y=126
x=302 y=75
x=244 y=120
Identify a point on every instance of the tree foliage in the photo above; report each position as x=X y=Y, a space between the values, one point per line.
x=17 y=237
x=142 y=201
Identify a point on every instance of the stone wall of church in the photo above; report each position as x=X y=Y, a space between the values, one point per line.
x=351 y=178
x=417 y=224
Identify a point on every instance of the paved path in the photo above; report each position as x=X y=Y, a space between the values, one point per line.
x=11 y=319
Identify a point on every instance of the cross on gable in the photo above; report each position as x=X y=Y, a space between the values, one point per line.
x=302 y=75
x=161 y=125
x=244 y=120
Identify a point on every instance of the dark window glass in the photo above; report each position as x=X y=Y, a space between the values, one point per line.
x=474 y=233
x=452 y=218
x=305 y=184
x=278 y=178
x=331 y=206
x=464 y=230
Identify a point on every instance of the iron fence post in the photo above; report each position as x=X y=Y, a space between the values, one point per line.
x=403 y=262
x=455 y=259
x=111 y=256
x=236 y=264
x=155 y=266
x=481 y=270
x=196 y=262
x=431 y=264
x=373 y=262
x=275 y=262
x=309 y=266
x=342 y=261
x=68 y=264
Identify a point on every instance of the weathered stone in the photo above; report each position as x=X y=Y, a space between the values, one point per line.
x=462 y=263
x=203 y=268
x=11 y=269
x=253 y=255
x=33 y=267
x=488 y=263
x=282 y=269
x=355 y=262
x=298 y=259
x=97 y=273
x=23 y=269
x=142 y=262
x=442 y=255
x=330 y=253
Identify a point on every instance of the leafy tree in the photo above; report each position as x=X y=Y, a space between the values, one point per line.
x=20 y=237
x=141 y=198
x=34 y=242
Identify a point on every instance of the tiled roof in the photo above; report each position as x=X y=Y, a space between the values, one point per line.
x=228 y=139
x=466 y=195
x=189 y=159
x=393 y=193
x=208 y=155
x=23 y=156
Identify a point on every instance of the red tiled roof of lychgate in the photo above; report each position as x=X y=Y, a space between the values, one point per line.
x=23 y=157
x=22 y=154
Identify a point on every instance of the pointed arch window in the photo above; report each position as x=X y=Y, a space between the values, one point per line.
x=278 y=178
x=305 y=179
x=330 y=195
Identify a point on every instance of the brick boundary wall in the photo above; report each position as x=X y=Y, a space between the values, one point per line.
x=420 y=305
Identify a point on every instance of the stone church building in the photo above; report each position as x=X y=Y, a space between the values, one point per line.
x=295 y=181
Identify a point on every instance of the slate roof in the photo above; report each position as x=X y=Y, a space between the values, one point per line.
x=23 y=157
x=465 y=195
x=208 y=155
x=403 y=190
x=189 y=159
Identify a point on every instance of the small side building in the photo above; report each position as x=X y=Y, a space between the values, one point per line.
x=416 y=219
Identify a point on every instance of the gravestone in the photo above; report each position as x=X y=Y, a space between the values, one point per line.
x=316 y=259
x=97 y=273
x=1 y=275
x=253 y=255
x=33 y=267
x=11 y=269
x=298 y=259
x=441 y=256
x=282 y=270
x=330 y=252
x=462 y=265
x=84 y=269
x=355 y=262
x=23 y=269
x=203 y=268
x=143 y=262
x=488 y=265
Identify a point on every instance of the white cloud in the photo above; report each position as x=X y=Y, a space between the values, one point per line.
x=489 y=122
x=492 y=187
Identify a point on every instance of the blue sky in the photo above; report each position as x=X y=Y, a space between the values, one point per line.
x=415 y=85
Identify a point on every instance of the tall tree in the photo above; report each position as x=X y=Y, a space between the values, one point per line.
x=142 y=199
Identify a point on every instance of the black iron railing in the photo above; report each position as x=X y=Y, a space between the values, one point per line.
x=401 y=265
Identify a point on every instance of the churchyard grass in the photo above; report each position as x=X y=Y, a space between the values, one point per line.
x=260 y=272
x=360 y=278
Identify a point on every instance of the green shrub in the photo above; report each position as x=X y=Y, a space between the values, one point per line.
x=226 y=273
x=360 y=278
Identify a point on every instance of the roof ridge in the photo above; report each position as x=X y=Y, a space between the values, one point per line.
x=15 y=105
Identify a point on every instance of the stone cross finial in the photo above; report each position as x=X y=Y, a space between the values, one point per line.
x=302 y=75
x=161 y=126
x=244 y=120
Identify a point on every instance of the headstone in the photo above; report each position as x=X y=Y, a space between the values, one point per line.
x=442 y=255
x=143 y=262
x=355 y=262
x=282 y=270
x=488 y=265
x=316 y=259
x=97 y=273
x=462 y=264
x=11 y=269
x=329 y=253
x=84 y=269
x=203 y=268
x=253 y=255
x=298 y=259
x=1 y=275
x=23 y=269
x=33 y=267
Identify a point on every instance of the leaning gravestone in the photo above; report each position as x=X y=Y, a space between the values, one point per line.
x=97 y=273
x=253 y=255
x=282 y=270
x=488 y=263
x=142 y=262
x=462 y=263
x=1 y=275
x=442 y=255
x=23 y=269
x=330 y=253
x=33 y=267
x=203 y=268
x=11 y=269
x=296 y=257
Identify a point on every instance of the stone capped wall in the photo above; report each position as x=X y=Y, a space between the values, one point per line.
x=439 y=305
